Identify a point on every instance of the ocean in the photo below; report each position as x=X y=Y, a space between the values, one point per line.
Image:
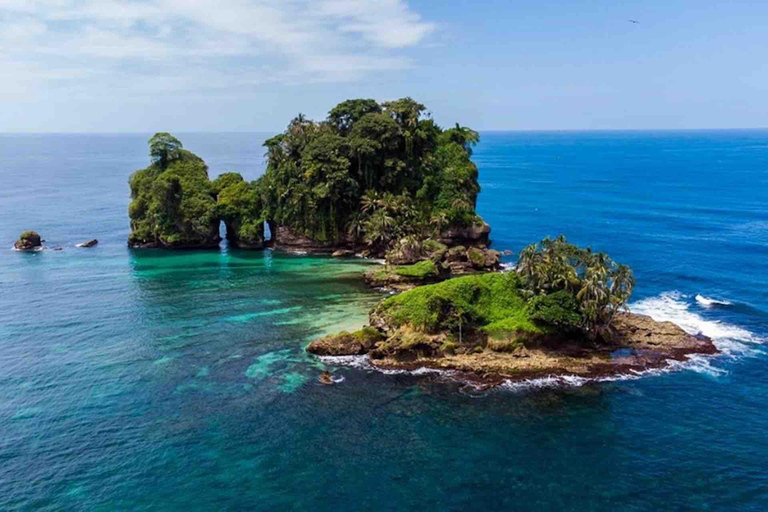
x=150 y=380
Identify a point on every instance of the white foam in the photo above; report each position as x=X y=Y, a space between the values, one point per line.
x=708 y=302
x=730 y=339
x=506 y=267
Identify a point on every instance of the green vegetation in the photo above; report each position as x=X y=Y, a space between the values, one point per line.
x=420 y=270
x=488 y=302
x=559 y=289
x=29 y=235
x=371 y=173
x=172 y=201
x=239 y=205
x=570 y=281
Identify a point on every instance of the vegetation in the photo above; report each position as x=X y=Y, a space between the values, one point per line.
x=371 y=173
x=420 y=270
x=568 y=281
x=488 y=302
x=172 y=201
x=560 y=289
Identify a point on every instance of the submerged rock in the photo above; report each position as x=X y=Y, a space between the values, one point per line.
x=326 y=378
x=28 y=241
x=89 y=243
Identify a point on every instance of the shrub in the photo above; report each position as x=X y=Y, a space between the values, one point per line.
x=559 y=309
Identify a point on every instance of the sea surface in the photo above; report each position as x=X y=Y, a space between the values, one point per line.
x=149 y=380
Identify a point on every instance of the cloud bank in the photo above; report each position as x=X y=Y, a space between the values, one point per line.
x=113 y=46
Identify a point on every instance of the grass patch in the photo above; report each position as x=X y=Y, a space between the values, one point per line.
x=491 y=302
x=418 y=270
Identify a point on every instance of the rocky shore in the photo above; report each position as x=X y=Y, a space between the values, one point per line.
x=639 y=344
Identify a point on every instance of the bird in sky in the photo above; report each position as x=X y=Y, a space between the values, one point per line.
x=634 y=21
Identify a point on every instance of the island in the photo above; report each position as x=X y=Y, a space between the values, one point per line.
x=560 y=313
x=377 y=179
x=383 y=180
x=28 y=241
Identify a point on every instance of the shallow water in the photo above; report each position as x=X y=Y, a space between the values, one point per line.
x=140 y=380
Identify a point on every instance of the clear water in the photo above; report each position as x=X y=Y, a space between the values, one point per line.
x=137 y=380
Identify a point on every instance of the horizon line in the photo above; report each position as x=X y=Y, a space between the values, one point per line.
x=495 y=130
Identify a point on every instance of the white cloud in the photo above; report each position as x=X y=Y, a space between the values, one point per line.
x=105 y=42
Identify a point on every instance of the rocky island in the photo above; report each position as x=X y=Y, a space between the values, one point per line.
x=383 y=180
x=28 y=241
x=561 y=313
x=376 y=179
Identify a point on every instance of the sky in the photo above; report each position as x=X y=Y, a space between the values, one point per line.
x=252 y=65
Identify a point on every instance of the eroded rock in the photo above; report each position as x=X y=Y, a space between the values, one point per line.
x=28 y=241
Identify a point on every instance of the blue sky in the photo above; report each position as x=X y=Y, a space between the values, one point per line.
x=248 y=65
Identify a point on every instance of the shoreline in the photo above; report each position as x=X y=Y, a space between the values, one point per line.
x=644 y=346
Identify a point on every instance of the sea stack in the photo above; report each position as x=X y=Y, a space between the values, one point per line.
x=28 y=241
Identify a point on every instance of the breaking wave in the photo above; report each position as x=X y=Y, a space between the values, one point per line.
x=731 y=340
x=708 y=302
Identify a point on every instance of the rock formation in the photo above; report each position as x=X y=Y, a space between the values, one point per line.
x=28 y=241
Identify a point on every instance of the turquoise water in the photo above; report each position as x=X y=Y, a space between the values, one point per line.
x=135 y=380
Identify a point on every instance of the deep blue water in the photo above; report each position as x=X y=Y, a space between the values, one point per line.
x=135 y=380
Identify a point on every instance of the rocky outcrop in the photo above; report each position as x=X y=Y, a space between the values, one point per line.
x=476 y=234
x=346 y=343
x=289 y=241
x=413 y=264
x=343 y=253
x=639 y=344
x=89 y=243
x=28 y=241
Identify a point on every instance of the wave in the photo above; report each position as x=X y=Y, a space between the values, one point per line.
x=708 y=302
x=731 y=340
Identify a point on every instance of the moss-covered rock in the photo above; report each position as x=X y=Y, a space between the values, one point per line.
x=28 y=241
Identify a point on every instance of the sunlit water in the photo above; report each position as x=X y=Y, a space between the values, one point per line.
x=145 y=380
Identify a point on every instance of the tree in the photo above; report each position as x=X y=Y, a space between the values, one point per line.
x=344 y=115
x=163 y=148
x=600 y=287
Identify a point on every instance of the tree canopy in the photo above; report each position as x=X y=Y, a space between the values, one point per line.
x=573 y=286
x=370 y=173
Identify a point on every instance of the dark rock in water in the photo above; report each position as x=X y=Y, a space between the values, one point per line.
x=28 y=241
x=89 y=243
x=326 y=378
x=58 y=248
x=475 y=234
x=343 y=253
x=508 y=252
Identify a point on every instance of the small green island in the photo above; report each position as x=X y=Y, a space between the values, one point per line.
x=383 y=180
x=561 y=313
